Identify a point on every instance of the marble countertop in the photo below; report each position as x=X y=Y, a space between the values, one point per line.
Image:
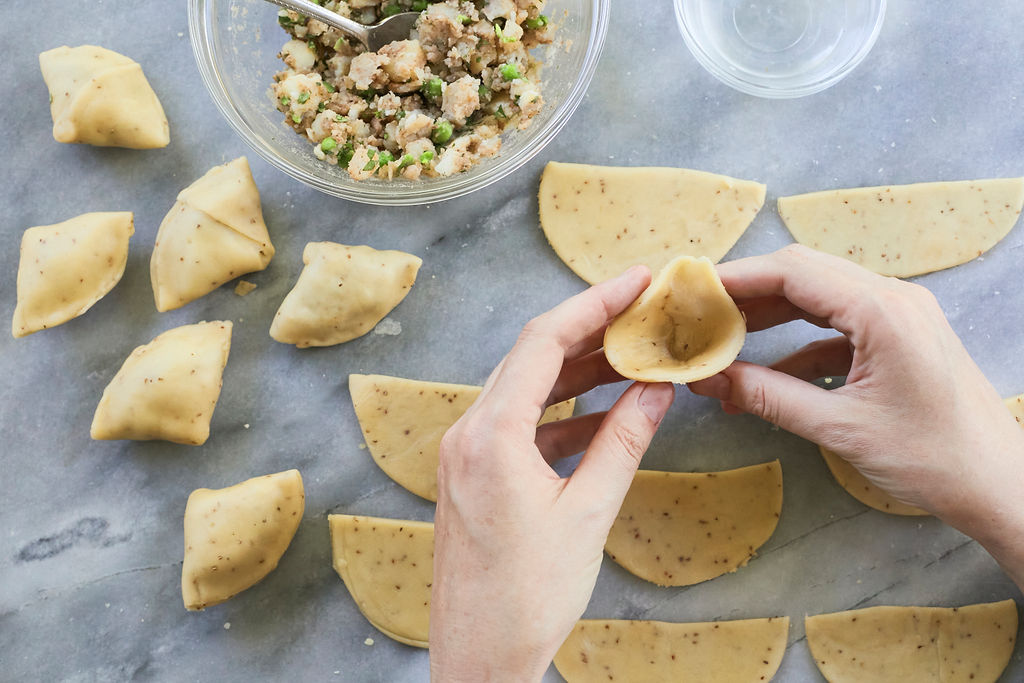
x=91 y=544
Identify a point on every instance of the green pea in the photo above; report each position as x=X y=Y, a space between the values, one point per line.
x=432 y=88
x=464 y=20
x=329 y=87
x=303 y=98
x=391 y=10
x=285 y=101
x=442 y=132
x=384 y=159
x=338 y=43
x=426 y=158
x=297 y=118
x=510 y=72
x=407 y=160
x=419 y=5
x=328 y=144
x=536 y=22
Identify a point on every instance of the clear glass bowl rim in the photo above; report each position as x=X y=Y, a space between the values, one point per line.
x=384 y=193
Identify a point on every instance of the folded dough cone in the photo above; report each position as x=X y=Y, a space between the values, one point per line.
x=388 y=567
x=403 y=420
x=235 y=536
x=683 y=328
x=601 y=220
x=971 y=644
x=99 y=97
x=677 y=529
x=67 y=267
x=342 y=293
x=167 y=389
x=743 y=651
x=213 y=233
x=905 y=230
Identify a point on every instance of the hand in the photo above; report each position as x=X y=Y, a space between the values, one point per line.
x=916 y=416
x=518 y=548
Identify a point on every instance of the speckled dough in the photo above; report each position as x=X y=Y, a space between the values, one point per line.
x=683 y=328
x=235 y=536
x=213 y=233
x=677 y=529
x=403 y=420
x=67 y=267
x=388 y=567
x=744 y=651
x=99 y=97
x=969 y=644
x=601 y=220
x=906 y=230
x=168 y=388
x=342 y=293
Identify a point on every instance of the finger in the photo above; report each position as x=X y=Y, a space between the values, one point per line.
x=824 y=358
x=518 y=389
x=591 y=343
x=582 y=375
x=607 y=468
x=768 y=311
x=557 y=440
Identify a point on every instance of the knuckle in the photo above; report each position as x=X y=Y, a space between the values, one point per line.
x=631 y=443
x=760 y=403
x=796 y=252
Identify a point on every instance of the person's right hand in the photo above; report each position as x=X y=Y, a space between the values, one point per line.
x=916 y=416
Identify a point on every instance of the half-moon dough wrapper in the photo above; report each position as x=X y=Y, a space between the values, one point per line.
x=388 y=567
x=167 y=389
x=235 y=536
x=342 y=293
x=971 y=644
x=683 y=328
x=601 y=220
x=743 y=651
x=1016 y=406
x=677 y=529
x=99 y=97
x=213 y=233
x=905 y=230
x=403 y=421
x=67 y=267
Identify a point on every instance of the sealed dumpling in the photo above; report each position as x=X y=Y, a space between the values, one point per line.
x=99 y=97
x=235 y=536
x=67 y=267
x=342 y=293
x=167 y=389
x=213 y=233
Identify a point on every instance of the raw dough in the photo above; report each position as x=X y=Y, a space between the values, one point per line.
x=858 y=486
x=235 y=536
x=67 y=267
x=601 y=220
x=746 y=651
x=905 y=230
x=1016 y=406
x=213 y=233
x=167 y=389
x=403 y=421
x=100 y=97
x=342 y=293
x=677 y=529
x=971 y=644
x=388 y=567
x=683 y=328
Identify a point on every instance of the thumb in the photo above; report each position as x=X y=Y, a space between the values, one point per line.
x=609 y=463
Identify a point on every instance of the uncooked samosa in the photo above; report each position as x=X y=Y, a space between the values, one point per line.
x=342 y=293
x=67 y=267
x=213 y=233
x=168 y=388
x=100 y=97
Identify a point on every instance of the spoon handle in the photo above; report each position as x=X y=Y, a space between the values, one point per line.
x=347 y=26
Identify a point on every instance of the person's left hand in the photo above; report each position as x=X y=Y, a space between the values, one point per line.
x=517 y=547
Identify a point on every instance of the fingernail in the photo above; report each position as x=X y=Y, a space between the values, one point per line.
x=654 y=400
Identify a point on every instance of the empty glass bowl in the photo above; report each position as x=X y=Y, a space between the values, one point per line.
x=236 y=44
x=780 y=48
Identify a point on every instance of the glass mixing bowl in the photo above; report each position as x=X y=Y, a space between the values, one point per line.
x=236 y=44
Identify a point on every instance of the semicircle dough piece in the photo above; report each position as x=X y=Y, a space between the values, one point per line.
x=403 y=420
x=213 y=233
x=858 y=486
x=99 y=97
x=601 y=220
x=906 y=230
x=742 y=651
x=1016 y=406
x=971 y=644
x=167 y=389
x=388 y=567
x=235 y=536
x=683 y=328
x=67 y=267
x=341 y=293
x=678 y=529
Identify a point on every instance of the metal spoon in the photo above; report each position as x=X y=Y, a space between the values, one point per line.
x=374 y=37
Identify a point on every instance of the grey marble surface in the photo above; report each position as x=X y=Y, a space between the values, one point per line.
x=91 y=543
